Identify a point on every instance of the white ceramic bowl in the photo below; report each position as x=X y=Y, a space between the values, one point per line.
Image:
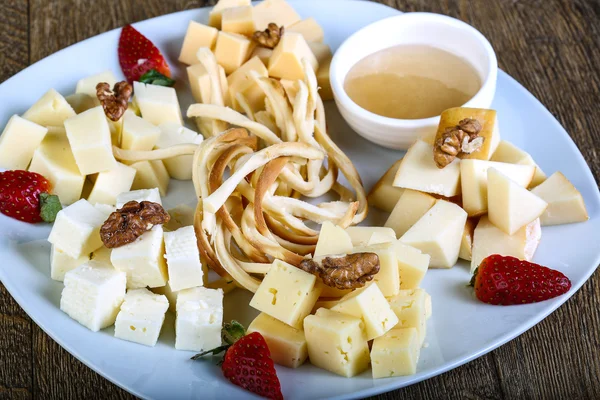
x=434 y=30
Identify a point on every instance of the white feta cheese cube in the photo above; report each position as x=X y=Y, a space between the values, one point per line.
x=199 y=319
x=183 y=259
x=52 y=109
x=158 y=104
x=171 y=134
x=109 y=184
x=141 y=317
x=18 y=142
x=61 y=263
x=93 y=294
x=169 y=293
x=105 y=209
x=152 y=195
x=102 y=254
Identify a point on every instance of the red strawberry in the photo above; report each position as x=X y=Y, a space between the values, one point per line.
x=138 y=55
x=501 y=280
x=24 y=195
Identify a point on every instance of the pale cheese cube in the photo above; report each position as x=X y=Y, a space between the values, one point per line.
x=388 y=277
x=50 y=110
x=171 y=134
x=332 y=240
x=383 y=195
x=216 y=14
x=152 y=195
x=509 y=153
x=368 y=304
x=323 y=81
x=438 y=233
x=170 y=295
x=379 y=237
x=158 y=104
x=395 y=354
x=88 y=85
x=262 y=53
x=149 y=175
x=242 y=82
x=81 y=102
x=183 y=259
x=61 y=263
x=565 y=203
x=197 y=36
x=92 y=294
x=238 y=20
x=199 y=83
x=18 y=142
x=286 y=61
x=90 y=140
x=199 y=319
x=286 y=293
x=428 y=306
x=76 y=230
x=324 y=304
x=138 y=134
x=141 y=317
x=309 y=28
x=182 y=215
x=276 y=11
x=413 y=265
x=109 y=184
x=466 y=243
x=411 y=206
x=361 y=235
x=336 y=342
x=102 y=255
x=232 y=50
x=286 y=344
x=321 y=51
x=143 y=260
x=419 y=172
x=410 y=306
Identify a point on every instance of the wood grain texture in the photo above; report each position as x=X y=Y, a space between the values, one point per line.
x=551 y=46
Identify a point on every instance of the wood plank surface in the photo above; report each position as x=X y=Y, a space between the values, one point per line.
x=551 y=46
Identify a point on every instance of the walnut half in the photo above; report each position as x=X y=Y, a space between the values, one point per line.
x=270 y=37
x=460 y=139
x=350 y=271
x=131 y=221
x=114 y=103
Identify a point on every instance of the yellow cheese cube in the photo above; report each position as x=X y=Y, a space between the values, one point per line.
x=51 y=109
x=286 y=344
x=263 y=53
x=138 y=134
x=242 y=82
x=88 y=85
x=388 y=277
x=197 y=35
x=413 y=265
x=332 y=240
x=286 y=61
x=466 y=243
x=238 y=20
x=286 y=293
x=411 y=309
x=370 y=305
x=509 y=153
x=149 y=175
x=199 y=83
x=383 y=195
x=309 y=28
x=321 y=51
x=171 y=134
x=116 y=129
x=565 y=203
x=232 y=50
x=216 y=14
x=109 y=184
x=158 y=104
x=325 y=90
x=438 y=233
x=336 y=342
x=18 y=142
x=395 y=354
x=81 y=102
x=361 y=235
x=321 y=303
x=61 y=263
x=276 y=11
x=409 y=209
x=291 y=89
x=379 y=237
x=89 y=137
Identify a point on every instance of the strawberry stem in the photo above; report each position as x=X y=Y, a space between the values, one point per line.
x=49 y=206
x=231 y=333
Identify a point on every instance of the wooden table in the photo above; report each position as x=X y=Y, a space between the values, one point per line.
x=551 y=46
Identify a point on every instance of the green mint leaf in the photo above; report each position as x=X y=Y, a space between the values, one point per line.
x=153 y=77
x=49 y=206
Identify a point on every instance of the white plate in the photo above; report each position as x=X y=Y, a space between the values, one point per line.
x=461 y=328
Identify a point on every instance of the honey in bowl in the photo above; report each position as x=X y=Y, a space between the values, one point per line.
x=411 y=82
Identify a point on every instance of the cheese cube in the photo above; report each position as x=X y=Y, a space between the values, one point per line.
x=18 y=142
x=438 y=233
x=276 y=11
x=309 y=28
x=419 y=172
x=171 y=134
x=51 y=109
x=102 y=255
x=412 y=264
x=242 y=82
x=141 y=317
x=286 y=293
x=138 y=134
x=383 y=195
x=370 y=305
x=199 y=83
x=143 y=260
x=286 y=344
x=88 y=85
x=158 y=104
x=336 y=342
x=139 y=195
x=90 y=140
x=61 y=263
x=183 y=259
x=409 y=209
x=361 y=235
x=263 y=53
x=109 y=184
x=325 y=90
x=509 y=153
x=232 y=50
x=324 y=304
x=332 y=240
x=197 y=35
x=565 y=203
x=395 y=354
x=169 y=294
x=238 y=20
x=216 y=14
x=150 y=174
x=488 y=240
x=378 y=238
x=466 y=243
x=286 y=61
x=76 y=230
x=388 y=277
x=81 y=102
x=199 y=319
x=92 y=294
x=182 y=215
x=321 y=51
x=411 y=309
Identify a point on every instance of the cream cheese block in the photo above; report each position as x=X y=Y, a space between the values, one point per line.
x=109 y=184
x=277 y=11
x=183 y=259
x=50 y=110
x=88 y=84
x=171 y=134
x=410 y=306
x=158 y=104
x=216 y=13
x=61 y=263
x=565 y=203
x=19 y=140
x=509 y=153
x=92 y=294
x=388 y=277
x=199 y=319
x=384 y=195
x=152 y=195
x=150 y=175
x=138 y=133
x=196 y=36
x=141 y=317
x=395 y=354
x=286 y=60
x=332 y=240
x=232 y=50
x=413 y=265
x=411 y=206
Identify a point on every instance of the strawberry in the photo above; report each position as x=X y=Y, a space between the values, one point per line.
x=25 y=196
x=501 y=280
x=247 y=362
x=138 y=55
